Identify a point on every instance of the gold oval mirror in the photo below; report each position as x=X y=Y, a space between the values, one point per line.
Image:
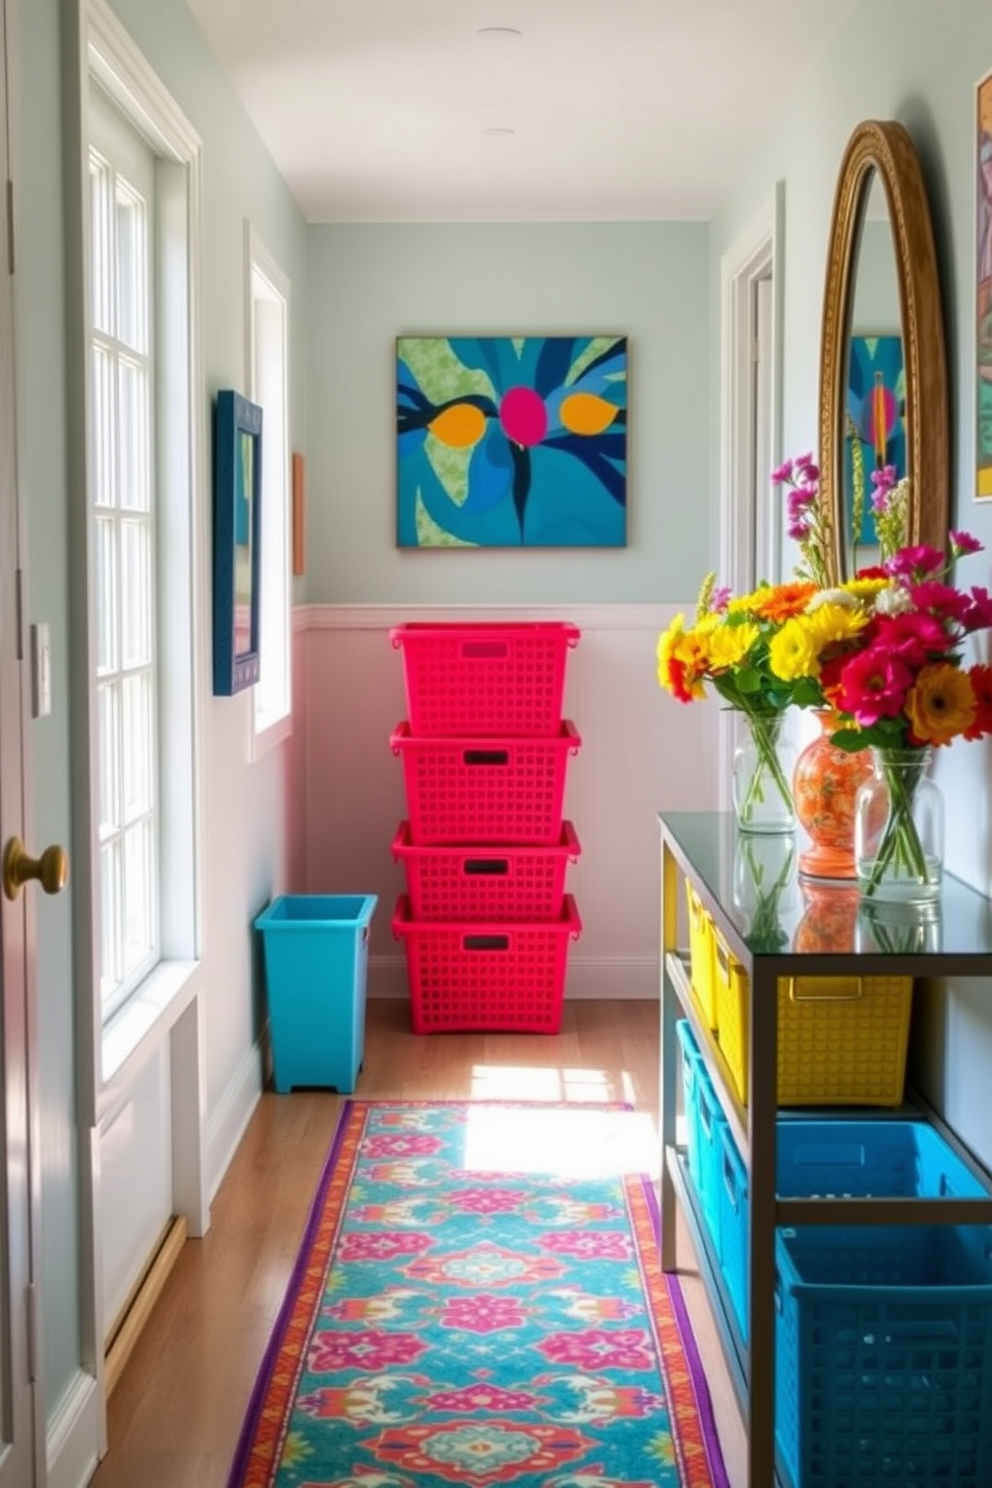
x=883 y=376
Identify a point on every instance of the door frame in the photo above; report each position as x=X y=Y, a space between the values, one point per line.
x=754 y=255
x=19 y=1005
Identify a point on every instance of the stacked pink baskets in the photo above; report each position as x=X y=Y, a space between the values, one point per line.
x=486 y=920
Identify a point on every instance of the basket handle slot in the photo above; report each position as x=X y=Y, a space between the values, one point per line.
x=484 y=650
x=485 y=942
x=491 y=867
x=486 y=756
x=730 y=1180
x=705 y=1116
x=944 y=1331
x=825 y=989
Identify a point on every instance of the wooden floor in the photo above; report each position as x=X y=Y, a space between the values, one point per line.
x=174 y=1417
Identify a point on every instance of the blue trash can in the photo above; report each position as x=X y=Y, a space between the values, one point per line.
x=316 y=959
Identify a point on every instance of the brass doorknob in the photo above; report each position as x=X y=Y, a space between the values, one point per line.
x=51 y=869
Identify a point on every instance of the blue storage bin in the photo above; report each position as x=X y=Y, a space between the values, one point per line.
x=883 y=1356
x=692 y=1073
x=861 y=1159
x=316 y=962
x=705 y=1122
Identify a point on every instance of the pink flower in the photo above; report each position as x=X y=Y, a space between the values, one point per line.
x=873 y=685
x=941 y=600
x=915 y=562
x=783 y=473
x=913 y=636
x=719 y=599
x=963 y=542
x=979 y=616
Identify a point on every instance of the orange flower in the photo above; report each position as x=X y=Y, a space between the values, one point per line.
x=783 y=601
x=940 y=704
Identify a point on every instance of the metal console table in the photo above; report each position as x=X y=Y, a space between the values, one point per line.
x=701 y=846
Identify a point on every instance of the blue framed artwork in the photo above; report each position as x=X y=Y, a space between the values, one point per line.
x=511 y=441
x=237 y=533
x=876 y=419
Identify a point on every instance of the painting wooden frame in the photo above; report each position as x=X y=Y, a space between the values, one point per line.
x=511 y=441
x=983 y=289
x=237 y=541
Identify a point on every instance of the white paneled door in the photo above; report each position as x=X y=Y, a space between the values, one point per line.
x=18 y=1466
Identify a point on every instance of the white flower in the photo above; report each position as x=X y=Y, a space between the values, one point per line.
x=895 y=600
x=832 y=596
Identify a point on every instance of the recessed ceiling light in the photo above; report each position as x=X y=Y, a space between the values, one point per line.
x=497 y=131
x=498 y=33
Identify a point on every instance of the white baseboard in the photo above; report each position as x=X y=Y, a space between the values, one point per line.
x=234 y=1111
x=72 y=1438
x=588 y=978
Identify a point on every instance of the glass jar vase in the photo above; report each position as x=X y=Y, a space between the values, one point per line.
x=764 y=760
x=899 y=829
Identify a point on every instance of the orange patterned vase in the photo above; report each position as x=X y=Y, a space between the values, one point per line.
x=830 y=919
x=824 y=788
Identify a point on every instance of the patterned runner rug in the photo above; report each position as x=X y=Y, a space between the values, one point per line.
x=477 y=1301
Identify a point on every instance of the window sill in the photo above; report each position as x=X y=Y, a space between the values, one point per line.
x=148 y=1015
x=271 y=736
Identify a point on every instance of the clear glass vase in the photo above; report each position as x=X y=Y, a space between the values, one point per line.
x=899 y=829
x=763 y=764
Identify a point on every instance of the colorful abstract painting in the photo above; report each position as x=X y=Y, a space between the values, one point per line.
x=876 y=419
x=983 y=295
x=511 y=441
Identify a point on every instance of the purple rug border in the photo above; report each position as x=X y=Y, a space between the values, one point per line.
x=261 y=1384
x=704 y=1403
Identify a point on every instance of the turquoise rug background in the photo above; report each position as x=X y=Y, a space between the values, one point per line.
x=451 y=1322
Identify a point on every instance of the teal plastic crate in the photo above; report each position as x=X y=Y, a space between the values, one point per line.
x=883 y=1356
x=837 y=1158
x=316 y=963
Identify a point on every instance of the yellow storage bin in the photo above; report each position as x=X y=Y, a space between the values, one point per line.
x=701 y=957
x=842 y=1040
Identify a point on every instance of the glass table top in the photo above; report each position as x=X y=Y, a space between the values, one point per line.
x=772 y=911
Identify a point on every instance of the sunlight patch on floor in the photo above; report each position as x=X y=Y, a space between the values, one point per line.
x=541 y=1082
x=573 y=1142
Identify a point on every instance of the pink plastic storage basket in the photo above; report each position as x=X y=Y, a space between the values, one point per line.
x=486 y=883
x=471 y=791
x=485 y=680
x=493 y=977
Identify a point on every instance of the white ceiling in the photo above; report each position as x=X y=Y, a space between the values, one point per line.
x=374 y=110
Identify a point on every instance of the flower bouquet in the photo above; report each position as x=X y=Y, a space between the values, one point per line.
x=730 y=647
x=885 y=650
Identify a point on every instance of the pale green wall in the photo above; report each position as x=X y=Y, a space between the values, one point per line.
x=367 y=285
x=244 y=813
x=918 y=62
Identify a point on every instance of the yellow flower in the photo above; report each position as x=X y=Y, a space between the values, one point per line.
x=682 y=661
x=940 y=704
x=832 y=624
x=729 y=645
x=792 y=653
x=865 y=589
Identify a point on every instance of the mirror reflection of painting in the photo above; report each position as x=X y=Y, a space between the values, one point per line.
x=875 y=425
x=244 y=478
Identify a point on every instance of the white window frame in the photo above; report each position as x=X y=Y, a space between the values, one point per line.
x=112 y=59
x=267 y=292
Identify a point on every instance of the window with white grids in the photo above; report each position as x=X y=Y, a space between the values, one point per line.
x=123 y=568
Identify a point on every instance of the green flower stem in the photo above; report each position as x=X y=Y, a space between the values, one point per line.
x=900 y=842
x=764 y=731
